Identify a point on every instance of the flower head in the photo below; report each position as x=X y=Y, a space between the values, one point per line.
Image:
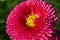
x=32 y=20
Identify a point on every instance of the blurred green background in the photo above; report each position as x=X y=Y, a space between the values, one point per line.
x=7 y=5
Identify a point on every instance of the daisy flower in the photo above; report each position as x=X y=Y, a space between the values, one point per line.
x=32 y=20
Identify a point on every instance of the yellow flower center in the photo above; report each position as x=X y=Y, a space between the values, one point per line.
x=30 y=20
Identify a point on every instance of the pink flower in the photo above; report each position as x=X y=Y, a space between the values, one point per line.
x=32 y=20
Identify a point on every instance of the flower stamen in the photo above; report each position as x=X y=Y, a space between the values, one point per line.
x=30 y=20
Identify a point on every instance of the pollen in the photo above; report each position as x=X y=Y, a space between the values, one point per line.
x=30 y=20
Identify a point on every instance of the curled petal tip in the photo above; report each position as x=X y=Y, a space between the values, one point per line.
x=35 y=0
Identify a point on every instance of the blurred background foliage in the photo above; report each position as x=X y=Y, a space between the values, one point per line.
x=7 y=5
